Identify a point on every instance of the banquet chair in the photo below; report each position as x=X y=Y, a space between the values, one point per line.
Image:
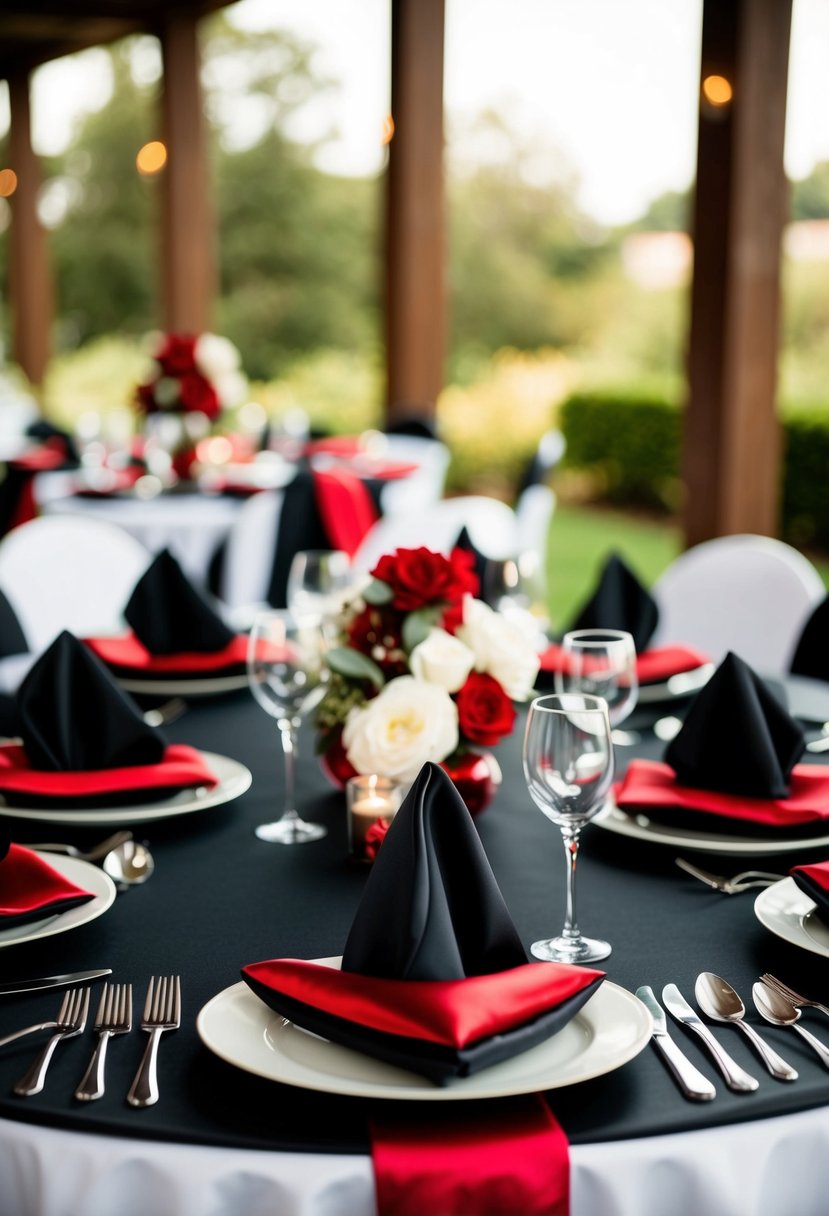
x=750 y=594
x=490 y=524
x=533 y=516
x=67 y=572
x=425 y=485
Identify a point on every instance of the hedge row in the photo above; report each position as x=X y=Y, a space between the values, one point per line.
x=629 y=443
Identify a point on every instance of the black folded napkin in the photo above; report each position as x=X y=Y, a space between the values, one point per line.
x=737 y=737
x=73 y=716
x=811 y=656
x=620 y=602
x=434 y=977
x=300 y=528
x=170 y=616
x=12 y=637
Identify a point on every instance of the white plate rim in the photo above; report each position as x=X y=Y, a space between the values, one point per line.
x=83 y=874
x=234 y=779
x=254 y=1052
x=179 y=687
x=697 y=676
x=639 y=827
x=786 y=911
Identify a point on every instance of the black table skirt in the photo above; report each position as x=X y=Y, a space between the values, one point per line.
x=220 y=898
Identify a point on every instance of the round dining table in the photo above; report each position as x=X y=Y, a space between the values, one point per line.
x=223 y=1141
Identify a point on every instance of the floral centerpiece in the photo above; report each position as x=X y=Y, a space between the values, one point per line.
x=423 y=671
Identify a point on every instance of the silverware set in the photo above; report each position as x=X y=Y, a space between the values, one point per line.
x=162 y=1011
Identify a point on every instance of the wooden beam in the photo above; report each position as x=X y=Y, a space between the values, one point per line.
x=30 y=282
x=188 y=255
x=731 y=457
x=415 y=293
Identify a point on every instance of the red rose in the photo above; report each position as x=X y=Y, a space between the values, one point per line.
x=375 y=837
x=485 y=712
x=197 y=394
x=419 y=577
x=376 y=633
x=178 y=354
x=145 y=394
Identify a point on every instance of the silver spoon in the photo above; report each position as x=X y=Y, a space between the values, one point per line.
x=93 y=854
x=719 y=1001
x=129 y=864
x=778 y=1010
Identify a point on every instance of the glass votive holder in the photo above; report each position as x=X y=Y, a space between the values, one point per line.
x=372 y=802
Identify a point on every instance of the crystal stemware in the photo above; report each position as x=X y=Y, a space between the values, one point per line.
x=568 y=767
x=319 y=582
x=602 y=663
x=285 y=673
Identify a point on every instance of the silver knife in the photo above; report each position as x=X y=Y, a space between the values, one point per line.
x=736 y=1078
x=689 y=1079
x=53 y=981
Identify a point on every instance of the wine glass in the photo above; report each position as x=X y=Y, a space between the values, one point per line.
x=319 y=581
x=568 y=767
x=285 y=672
x=602 y=663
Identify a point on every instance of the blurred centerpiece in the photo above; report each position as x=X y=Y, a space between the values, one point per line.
x=423 y=671
x=190 y=383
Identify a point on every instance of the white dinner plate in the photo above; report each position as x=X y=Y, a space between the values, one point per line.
x=237 y=1026
x=210 y=686
x=640 y=827
x=233 y=777
x=789 y=913
x=83 y=874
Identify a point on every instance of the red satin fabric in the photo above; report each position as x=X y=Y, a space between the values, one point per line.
x=504 y=1158
x=648 y=784
x=43 y=459
x=181 y=768
x=128 y=653
x=453 y=1012
x=652 y=666
x=818 y=872
x=345 y=506
x=30 y=884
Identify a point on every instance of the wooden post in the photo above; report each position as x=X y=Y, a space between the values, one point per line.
x=187 y=230
x=30 y=282
x=415 y=303
x=731 y=458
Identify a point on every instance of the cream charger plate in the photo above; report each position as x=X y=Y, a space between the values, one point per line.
x=237 y=1026
x=640 y=827
x=181 y=686
x=84 y=875
x=789 y=913
x=234 y=780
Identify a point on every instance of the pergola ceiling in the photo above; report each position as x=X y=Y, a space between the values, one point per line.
x=34 y=31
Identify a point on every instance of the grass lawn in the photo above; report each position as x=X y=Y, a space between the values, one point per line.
x=581 y=538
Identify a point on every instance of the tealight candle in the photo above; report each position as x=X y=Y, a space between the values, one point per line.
x=372 y=803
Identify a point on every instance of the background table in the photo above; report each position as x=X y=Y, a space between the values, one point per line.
x=220 y=898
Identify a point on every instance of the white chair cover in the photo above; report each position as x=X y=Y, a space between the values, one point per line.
x=533 y=515
x=249 y=551
x=422 y=487
x=750 y=594
x=62 y=572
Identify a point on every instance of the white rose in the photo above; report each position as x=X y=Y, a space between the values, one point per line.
x=215 y=356
x=231 y=389
x=442 y=659
x=501 y=648
x=408 y=723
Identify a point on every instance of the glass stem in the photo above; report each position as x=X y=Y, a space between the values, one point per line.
x=287 y=733
x=571 y=853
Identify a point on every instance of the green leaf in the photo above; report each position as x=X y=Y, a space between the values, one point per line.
x=378 y=592
x=354 y=665
x=417 y=627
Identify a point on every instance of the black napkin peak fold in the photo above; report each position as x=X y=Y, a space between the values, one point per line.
x=431 y=908
x=74 y=717
x=737 y=737
x=169 y=615
x=620 y=601
x=811 y=656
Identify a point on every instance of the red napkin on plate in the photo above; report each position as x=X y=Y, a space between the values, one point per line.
x=31 y=889
x=814 y=881
x=652 y=666
x=126 y=655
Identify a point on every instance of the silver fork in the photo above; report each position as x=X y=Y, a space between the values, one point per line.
x=71 y=1021
x=794 y=997
x=162 y=1011
x=167 y=713
x=729 y=886
x=114 y=1016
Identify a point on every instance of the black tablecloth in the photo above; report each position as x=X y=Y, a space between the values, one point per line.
x=221 y=898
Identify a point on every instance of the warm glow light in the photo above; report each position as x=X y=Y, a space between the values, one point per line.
x=717 y=91
x=151 y=158
x=217 y=450
x=8 y=183
x=388 y=130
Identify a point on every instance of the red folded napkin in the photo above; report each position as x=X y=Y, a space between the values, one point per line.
x=42 y=459
x=652 y=666
x=346 y=508
x=649 y=785
x=814 y=881
x=125 y=654
x=495 y=1159
x=182 y=767
x=30 y=889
